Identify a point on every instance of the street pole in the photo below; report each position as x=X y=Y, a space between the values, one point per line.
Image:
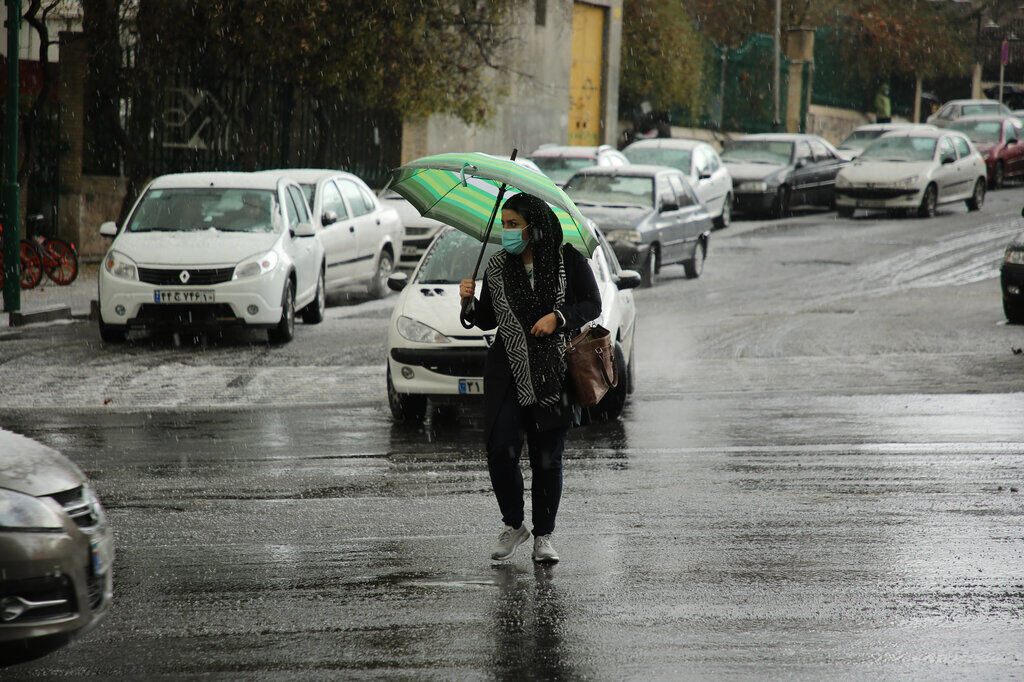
x=12 y=202
x=1004 y=57
x=778 y=65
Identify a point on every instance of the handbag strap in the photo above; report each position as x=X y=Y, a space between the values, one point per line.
x=600 y=351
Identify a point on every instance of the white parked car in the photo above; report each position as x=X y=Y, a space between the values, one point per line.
x=560 y=162
x=362 y=236
x=913 y=169
x=432 y=357
x=958 y=108
x=701 y=165
x=213 y=250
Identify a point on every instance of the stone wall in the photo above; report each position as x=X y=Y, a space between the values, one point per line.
x=834 y=124
x=100 y=201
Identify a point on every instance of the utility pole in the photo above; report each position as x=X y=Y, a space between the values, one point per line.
x=12 y=199
x=775 y=73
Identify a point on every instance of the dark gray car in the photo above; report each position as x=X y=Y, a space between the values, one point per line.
x=649 y=215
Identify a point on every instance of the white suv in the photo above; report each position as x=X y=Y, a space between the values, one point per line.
x=209 y=250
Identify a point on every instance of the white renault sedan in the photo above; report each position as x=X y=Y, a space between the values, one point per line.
x=362 y=236
x=913 y=169
x=213 y=250
x=431 y=357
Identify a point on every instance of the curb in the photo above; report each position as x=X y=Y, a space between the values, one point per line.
x=54 y=312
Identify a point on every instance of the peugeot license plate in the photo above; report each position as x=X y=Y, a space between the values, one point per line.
x=471 y=386
x=183 y=296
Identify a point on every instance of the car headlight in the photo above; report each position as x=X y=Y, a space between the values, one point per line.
x=843 y=181
x=906 y=182
x=631 y=236
x=1014 y=256
x=253 y=266
x=758 y=186
x=26 y=513
x=417 y=331
x=121 y=266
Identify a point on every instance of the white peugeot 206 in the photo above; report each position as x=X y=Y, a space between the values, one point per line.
x=202 y=250
x=432 y=360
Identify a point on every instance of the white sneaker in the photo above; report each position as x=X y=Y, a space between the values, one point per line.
x=543 y=552
x=509 y=539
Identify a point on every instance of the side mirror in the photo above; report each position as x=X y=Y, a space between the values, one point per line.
x=108 y=229
x=668 y=206
x=328 y=218
x=801 y=162
x=303 y=230
x=397 y=281
x=704 y=175
x=947 y=159
x=1012 y=140
x=1022 y=213
x=628 y=279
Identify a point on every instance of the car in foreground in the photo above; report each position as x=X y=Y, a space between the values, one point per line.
x=701 y=165
x=361 y=236
x=650 y=216
x=914 y=169
x=862 y=136
x=1000 y=141
x=560 y=162
x=959 y=108
x=56 y=550
x=1011 y=280
x=432 y=360
x=774 y=172
x=211 y=250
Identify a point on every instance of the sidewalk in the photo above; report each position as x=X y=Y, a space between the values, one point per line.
x=47 y=296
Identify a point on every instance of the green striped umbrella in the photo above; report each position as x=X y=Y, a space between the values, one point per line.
x=461 y=189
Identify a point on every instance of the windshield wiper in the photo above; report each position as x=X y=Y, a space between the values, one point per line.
x=156 y=229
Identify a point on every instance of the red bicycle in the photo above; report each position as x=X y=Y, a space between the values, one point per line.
x=59 y=258
x=31 y=263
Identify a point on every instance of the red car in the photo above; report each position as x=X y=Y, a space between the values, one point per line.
x=1000 y=140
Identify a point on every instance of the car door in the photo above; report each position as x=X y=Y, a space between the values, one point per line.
x=1014 y=151
x=668 y=223
x=720 y=180
x=302 y=249
x=693 y=216
x=338 y=237
x=622 y=312
x=826 y=166
x=946 y=174
x=702 y=180
x=966 y=168
x=363 y=225
x=803 y=177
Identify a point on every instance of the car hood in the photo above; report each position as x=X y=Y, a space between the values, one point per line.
x=884 y=171
x=29 y=467
x=437 y=306
x=209 y=247
x=616 y=217
x=741 y=171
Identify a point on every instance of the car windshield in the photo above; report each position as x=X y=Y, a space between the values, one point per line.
x=611 y=190
x=451 y=258
x=902 y=148
x=976 y=109
x=660 y=156
x=980 y=131
x=759 y=151
x=204 y=208
x=561 y=168
x=859 y=138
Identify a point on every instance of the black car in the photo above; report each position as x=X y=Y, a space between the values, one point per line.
x=1011 y=279
x=649 y=214
x=773 y=172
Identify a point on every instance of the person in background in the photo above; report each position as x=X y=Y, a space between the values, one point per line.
x=883 y=107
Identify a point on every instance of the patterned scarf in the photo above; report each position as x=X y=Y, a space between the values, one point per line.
x=537 y=363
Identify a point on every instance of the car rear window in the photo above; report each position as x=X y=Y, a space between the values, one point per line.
x=660 y=156
x=561 y=168
x=611 y=190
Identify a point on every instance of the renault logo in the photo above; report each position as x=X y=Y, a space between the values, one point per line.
x=184 y=276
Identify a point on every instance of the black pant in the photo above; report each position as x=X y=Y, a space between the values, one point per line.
x=504 y=446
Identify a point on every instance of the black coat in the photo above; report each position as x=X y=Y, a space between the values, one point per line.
x=582 y=304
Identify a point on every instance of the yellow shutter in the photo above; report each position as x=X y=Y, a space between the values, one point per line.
x=585 y=79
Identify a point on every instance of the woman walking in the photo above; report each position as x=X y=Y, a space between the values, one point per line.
x=537 y=293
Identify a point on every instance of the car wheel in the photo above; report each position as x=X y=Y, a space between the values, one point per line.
x=780 y=208
x=610 y=406
x=379 y=284
x=845 y=211
x=405 y=408
x=113 y=333
x=928 y=202
x=1014 y=311
x=314 y=312
x=998 y=175
x=631 y=371
x=695 y=266
x=284 y=331
x=650 y=270
x=977 y=197
x=725 y=217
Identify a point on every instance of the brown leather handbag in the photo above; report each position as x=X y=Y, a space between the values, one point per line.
x=590 y=359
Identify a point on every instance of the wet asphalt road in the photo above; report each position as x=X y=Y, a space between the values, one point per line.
x=820 y=476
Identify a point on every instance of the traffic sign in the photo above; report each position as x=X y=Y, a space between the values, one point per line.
x=1006 y=53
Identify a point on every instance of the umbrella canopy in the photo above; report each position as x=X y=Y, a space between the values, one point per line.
x=460 y=189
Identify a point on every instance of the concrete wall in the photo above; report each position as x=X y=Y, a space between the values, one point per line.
x=834 y=124
x=535 y=108
x=101 y=199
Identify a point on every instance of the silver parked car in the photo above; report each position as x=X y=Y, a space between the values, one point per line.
x=958 y=108
x=56 y=550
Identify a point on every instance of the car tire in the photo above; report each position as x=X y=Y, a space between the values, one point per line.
x=845 y=211
x=977 y=196
x=780 y=207
x=998 y=175
x=610 y=406
x=284 y=330
x=314 y=312
x=650 y=270
x=379 y=283
x=725 y=217
x=113 y=333
x=405 y=408
x=693 y=267
x=1014 y=311
x=928 y=202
